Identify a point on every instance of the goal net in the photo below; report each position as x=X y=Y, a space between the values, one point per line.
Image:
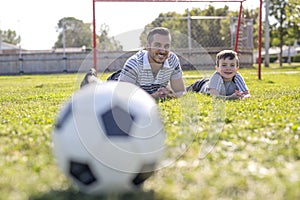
x=196 y=36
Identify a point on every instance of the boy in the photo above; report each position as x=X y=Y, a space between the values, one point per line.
x=226 y=82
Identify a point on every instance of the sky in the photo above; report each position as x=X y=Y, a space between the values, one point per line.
x=36 y=20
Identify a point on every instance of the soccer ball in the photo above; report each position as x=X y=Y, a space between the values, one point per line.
x=108 y=137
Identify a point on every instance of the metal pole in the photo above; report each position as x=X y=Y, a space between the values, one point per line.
x=238 y=28
x=267 y=35
x=21 y=69
x=94 y=38
x=259 y=40
x=0 y=39
x=189 y=31
x=64 y=45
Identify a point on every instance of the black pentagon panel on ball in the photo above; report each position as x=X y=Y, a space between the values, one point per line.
x=117 y=122
x=145 y=172
x=64 y=116
x=82 y=172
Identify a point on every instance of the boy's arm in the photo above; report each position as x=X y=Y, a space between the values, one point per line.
x=240 y=83
x=215 y=93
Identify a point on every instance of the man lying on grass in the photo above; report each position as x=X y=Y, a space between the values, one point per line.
x=153 y=69
x=226 y=82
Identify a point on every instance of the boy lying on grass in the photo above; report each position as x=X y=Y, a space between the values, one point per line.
x=226 y=82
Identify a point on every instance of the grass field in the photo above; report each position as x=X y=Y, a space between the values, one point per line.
x=218 y=149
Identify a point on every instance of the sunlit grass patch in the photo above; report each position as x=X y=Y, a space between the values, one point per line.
x=254 y=144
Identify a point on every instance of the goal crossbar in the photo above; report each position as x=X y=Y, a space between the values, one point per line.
x=169 y=0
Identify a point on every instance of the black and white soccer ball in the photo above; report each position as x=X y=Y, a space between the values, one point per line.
x=109 y=137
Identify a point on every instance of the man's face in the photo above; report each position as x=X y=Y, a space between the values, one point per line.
x=159 y=48
x=227 y=68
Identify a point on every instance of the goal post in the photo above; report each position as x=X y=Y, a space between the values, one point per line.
x=169 y=1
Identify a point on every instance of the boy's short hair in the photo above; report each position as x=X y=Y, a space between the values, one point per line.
x=227 y=54
x=157 y=30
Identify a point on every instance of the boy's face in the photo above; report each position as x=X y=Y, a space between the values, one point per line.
x=227 y=68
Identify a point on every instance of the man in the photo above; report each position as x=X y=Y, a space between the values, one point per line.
x=155 y=69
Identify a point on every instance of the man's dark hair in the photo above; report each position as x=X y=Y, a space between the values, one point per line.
x=157 y=30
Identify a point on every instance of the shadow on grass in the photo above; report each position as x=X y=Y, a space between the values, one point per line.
x=75 y=195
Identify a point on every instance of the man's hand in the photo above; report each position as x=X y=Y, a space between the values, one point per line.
x=163 y=93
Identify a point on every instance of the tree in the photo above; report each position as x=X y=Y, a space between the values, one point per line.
x=74 y=32
x=10 y=37
x=107 y=43
x=286 y=22
x=213 y=32
x=205 y=33
x=293 y=18
x=279 y=28
x=172 y=21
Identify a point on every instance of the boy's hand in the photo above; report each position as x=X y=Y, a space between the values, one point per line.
x=246 y=95
x=241 y=95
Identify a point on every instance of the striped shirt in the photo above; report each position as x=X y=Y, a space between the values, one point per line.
x=137 y=70
x=240 y=83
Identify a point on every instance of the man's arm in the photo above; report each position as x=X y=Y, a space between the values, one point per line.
x=177 y=89
x=128 y=75
x=177 y=85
